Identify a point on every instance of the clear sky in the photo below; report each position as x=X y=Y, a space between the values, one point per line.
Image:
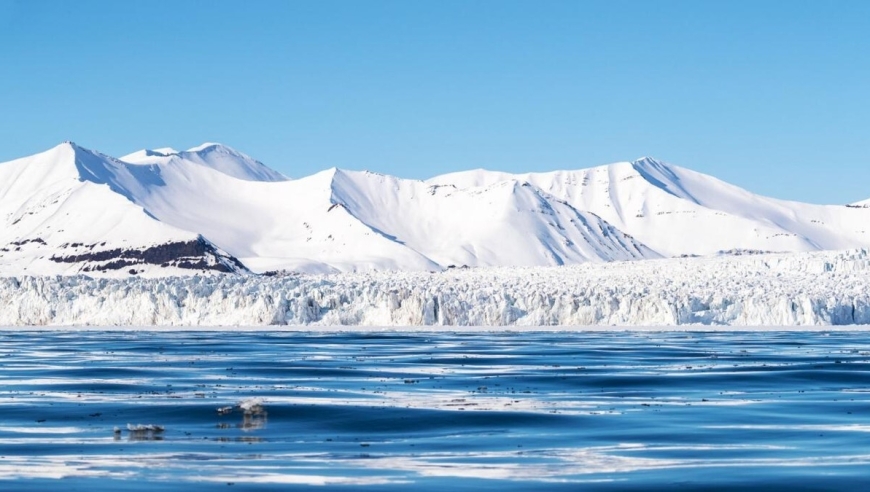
x=773 y=96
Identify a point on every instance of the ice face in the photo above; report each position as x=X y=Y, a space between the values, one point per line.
x=820 y=288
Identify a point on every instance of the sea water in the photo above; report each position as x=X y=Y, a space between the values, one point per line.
x=110 y=410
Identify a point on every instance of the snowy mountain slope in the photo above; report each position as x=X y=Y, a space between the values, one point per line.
x=211 y=155
x=273 y=225
x=676 y=211
x=61 y=213
x=817 y=288
x=344 y=221
x=510 y=223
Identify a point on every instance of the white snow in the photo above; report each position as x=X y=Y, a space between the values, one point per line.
x=68 y=199
x=676 y=211
x=332 y=221
x=211 y=155
x=806 y=289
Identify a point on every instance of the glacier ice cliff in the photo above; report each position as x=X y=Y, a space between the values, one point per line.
x=819 y=288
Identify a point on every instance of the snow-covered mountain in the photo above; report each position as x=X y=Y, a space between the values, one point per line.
x=678 y=212
x=211 y=208
x=64 y=211
x=211 y=155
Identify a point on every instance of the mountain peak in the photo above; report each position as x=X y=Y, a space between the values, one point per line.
x=66 y=145
x=55 y=164
x=76 y=152
x=215 y=156
x=213 y=146
x=650 y=162
x=229 y=161
x=164 y=151
x=70 y=152
x=145 y=156
x=201 y=149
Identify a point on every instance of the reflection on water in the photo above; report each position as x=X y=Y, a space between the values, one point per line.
x=614 y=411
x=252 y=421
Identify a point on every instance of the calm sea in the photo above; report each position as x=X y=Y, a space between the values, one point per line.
x=434 y=411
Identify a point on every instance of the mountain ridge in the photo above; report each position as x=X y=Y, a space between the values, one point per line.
x=245 y=215
x=212 y=155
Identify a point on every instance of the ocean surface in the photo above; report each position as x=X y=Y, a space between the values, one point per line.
x=440 y=411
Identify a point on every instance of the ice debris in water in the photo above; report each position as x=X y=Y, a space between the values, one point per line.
x=145 y=428
x=252 y=406
x=143 y=432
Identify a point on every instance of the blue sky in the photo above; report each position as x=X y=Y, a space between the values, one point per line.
x=771 y=96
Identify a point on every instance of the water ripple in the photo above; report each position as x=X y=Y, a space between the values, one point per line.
x=611 y=410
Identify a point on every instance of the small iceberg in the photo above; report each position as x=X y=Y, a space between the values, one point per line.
x=145 y=428
x=252 y=406
x=144 y=432
x=253 y=413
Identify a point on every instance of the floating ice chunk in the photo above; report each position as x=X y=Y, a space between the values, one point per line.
x=252 y=406
x=145 y=428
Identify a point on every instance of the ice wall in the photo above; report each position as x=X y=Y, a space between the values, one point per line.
x=823 y=288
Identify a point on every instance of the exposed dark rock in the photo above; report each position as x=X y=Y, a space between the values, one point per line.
x=37 y=240
x=193 y=255
x=112 y=265
x=279 y=273
x=741 y=252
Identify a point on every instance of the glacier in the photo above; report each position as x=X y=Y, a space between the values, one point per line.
x=806 y=289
